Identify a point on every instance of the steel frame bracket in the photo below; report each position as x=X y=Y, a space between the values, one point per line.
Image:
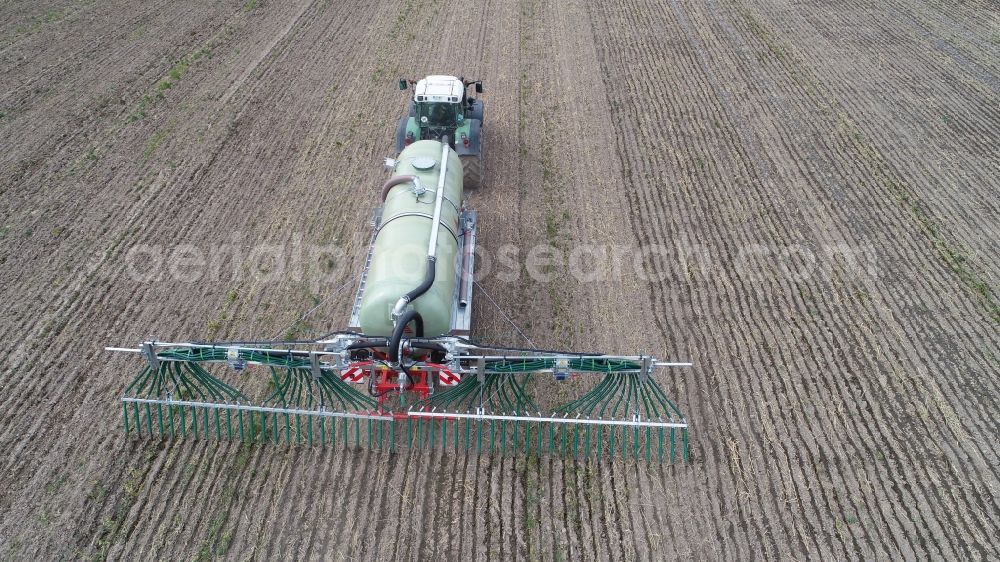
x=149 y=352
x=647 y=368
x=314 y=366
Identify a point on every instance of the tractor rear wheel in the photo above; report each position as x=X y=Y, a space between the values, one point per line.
x=401 y=134
x=472 y=171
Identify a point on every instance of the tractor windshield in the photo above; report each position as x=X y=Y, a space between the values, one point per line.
x=439 y=113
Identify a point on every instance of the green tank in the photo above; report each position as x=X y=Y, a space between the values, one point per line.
x=399 y=255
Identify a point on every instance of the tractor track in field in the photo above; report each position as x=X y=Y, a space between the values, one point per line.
x=798 y=421
x=962 y=124
x=70 y=303
x=751 y=160
x=843 y=414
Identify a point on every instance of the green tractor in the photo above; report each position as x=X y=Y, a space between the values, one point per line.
x=441 y=107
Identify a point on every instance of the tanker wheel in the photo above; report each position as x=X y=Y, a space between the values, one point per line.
x=472 y=171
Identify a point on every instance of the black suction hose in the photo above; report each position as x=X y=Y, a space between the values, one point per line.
x=397 y=332
x=428 y=346
x=404 y=318
x=367 y=344
x=426 y=283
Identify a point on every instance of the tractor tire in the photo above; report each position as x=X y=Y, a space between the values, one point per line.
x=476 y=111
x=401 y=135
x=472 y=171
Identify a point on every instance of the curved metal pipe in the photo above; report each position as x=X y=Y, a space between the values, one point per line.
x=397 y=180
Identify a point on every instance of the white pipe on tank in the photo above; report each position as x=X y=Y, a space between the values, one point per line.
x=400 y=306
x=438 y=200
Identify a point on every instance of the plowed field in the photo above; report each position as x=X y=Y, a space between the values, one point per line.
x=816 y=184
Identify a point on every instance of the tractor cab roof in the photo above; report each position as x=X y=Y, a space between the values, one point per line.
x=439 y=89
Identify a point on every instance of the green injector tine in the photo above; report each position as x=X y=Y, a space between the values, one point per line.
x=684 y=440
x=138 y=419
x=205 y=425
x=170 y=419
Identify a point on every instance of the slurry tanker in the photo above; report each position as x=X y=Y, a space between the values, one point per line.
x=406 y=372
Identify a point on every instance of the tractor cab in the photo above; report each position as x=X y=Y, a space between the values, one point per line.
x=439 y=101
x=439 y=114
x=441 y=107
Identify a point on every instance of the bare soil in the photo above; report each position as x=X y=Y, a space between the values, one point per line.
x=842 y=406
